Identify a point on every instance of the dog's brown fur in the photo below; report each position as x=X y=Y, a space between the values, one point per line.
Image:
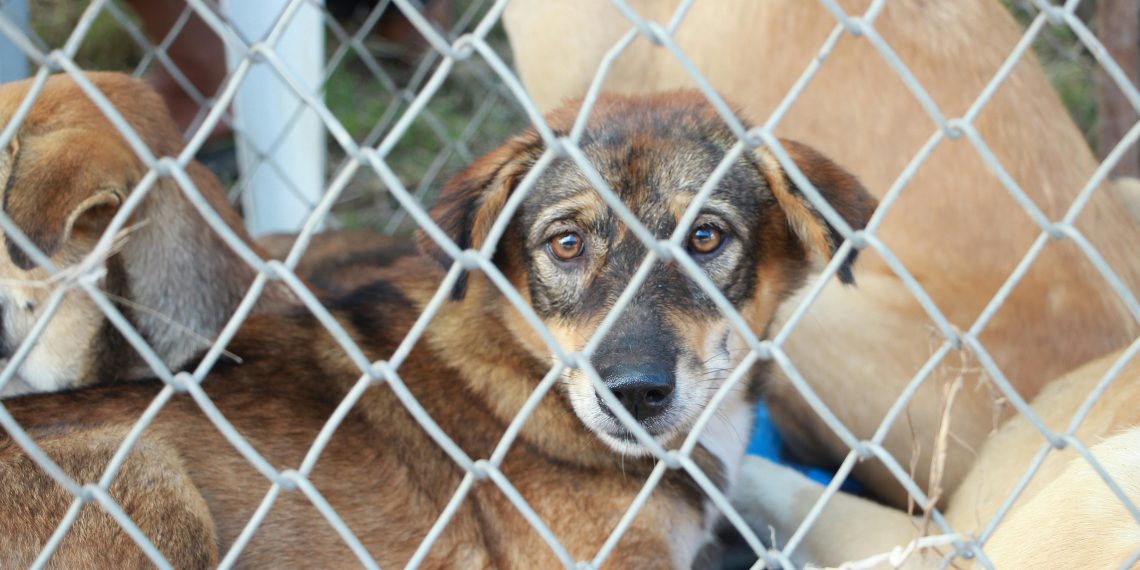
x=472 y=371
x=65 y=175
x=337 y=262
x=955 y=227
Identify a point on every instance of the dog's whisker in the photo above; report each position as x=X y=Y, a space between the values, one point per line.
x=729 y=352
x=31 y=283
x=91 y=262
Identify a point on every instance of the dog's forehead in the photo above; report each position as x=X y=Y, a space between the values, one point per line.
x=638 y=151
x=653 y=164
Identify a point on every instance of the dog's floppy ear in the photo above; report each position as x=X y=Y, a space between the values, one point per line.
x=471 y=202
x=841 y=190
x=61 y=183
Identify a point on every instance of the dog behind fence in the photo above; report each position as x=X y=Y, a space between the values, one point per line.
x=974 y=140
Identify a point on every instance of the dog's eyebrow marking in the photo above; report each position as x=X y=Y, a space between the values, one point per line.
x=585 y=206
x=716 y=205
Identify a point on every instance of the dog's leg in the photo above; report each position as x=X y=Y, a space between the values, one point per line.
x=152 y=488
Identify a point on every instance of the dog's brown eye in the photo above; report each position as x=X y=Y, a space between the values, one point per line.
x=705 y=239
x=566 y=246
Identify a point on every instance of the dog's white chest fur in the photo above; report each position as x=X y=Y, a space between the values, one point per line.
x=727 y=435
x=726 y=438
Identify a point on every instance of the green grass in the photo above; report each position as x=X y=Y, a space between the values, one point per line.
x=106 y=46
x=1069 y=67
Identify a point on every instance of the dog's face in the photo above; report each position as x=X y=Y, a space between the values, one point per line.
x=36 y=169
x=571 y=255
x=64 y=175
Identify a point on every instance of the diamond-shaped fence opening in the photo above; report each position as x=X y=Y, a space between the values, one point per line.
x=402 y=95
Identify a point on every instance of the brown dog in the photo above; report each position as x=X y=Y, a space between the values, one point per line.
x=955 y=227
x=65 y=174
x=569 y=256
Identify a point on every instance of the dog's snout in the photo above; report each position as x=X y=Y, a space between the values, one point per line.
x=644 y=390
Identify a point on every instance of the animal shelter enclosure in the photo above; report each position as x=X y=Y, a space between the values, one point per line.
x=391 y=118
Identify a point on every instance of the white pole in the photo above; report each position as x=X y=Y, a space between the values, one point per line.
x=13 y=62
x=279 y=196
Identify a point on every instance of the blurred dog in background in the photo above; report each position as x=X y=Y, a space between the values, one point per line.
x=66 y=173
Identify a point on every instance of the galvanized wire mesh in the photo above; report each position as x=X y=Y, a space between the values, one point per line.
x=366 y=163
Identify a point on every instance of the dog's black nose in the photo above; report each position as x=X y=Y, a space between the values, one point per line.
x=644 y=389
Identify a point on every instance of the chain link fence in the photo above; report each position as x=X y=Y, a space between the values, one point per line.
x=428 y=115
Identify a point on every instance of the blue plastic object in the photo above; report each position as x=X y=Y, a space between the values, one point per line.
x=766 y=443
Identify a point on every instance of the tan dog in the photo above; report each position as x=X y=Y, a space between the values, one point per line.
x=65 y=175
x=1067 y=517
x=478 y=362
x=955 y=227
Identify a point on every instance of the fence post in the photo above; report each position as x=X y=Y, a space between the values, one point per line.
x=282 y=159
x=13 y=62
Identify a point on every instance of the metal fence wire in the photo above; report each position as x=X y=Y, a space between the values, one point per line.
x=365 y=164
